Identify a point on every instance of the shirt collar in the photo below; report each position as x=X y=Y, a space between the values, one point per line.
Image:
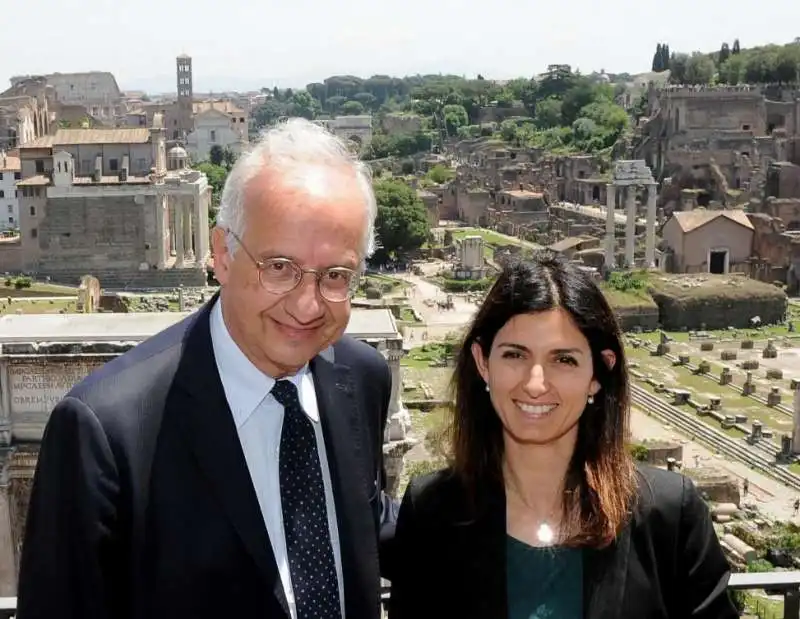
x=245 y=385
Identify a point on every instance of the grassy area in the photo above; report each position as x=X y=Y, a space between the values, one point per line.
x=407 y=315
x=379 y=278
x=427 y=355
x=496 y=239
x=37 y=289
x=703 y=388
x=626 y=298
x=40 y=306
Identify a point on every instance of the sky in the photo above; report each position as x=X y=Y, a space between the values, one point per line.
x=243 y=45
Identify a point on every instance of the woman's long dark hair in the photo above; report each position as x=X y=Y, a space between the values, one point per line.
x=600 y=482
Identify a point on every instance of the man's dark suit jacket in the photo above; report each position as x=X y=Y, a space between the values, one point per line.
x=666 y=564
x=142 y=505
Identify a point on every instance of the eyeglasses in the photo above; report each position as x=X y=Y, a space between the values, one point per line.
x=282 y=275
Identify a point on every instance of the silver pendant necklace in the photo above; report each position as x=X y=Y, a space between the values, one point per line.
x=545 y=534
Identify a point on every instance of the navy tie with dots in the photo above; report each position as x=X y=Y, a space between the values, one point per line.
x=305 y=515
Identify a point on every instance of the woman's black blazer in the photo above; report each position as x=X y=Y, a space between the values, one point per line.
x=448 y=560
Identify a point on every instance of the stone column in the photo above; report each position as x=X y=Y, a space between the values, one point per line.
x=630 y=228
x=188 y=231
x=796 y=422
x=650 y=230
x=179 y=234
x=202 y=203
x=399 y=420
x=162 y=230
x=611 y=241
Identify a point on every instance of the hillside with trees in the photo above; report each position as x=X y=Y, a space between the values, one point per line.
x=731 y=64
x=561 y=111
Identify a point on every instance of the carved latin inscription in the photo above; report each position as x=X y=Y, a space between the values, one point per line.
x=38 y=388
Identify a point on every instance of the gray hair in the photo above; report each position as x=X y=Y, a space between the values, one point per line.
x=291 y=144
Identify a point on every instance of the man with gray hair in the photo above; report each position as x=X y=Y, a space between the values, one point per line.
x=231 y=466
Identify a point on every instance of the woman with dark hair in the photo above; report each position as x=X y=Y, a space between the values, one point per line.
x=543 y=512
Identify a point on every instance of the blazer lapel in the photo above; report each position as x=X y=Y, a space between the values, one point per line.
x=211 y=431
x=485 y=552
x=344 y=430
x=604 y=578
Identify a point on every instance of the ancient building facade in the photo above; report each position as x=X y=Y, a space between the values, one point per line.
x=717 y=140
x=113 y=202
x=9 y=204
x=97 y=91
x=217 y=123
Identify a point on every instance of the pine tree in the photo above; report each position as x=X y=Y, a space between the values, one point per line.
x=724 y=53
x=657 y=57
x=665 y=57
x=736 y=49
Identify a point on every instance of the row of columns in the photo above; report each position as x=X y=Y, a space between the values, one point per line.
x=178 y=219
x=630 y=226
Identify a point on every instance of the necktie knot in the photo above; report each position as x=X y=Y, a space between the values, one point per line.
x=285 y=392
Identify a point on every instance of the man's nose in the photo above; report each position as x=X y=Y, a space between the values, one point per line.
x=305 y=300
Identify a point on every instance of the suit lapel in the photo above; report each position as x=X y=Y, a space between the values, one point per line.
x=604 y=578
x=211 y=432
x=344 y=429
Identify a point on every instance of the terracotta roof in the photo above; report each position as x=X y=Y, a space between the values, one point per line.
x=66 y=137
x=691 y=220
x=226 y=107
x=9 y=164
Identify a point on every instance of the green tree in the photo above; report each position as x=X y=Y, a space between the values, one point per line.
x=402 y=222
x=367 y=99
x=736 y=48
x=732 y=70
x=440 y=174
x=699 y=69
x=269 y=112
x=548 y=113
x=658 y=59
x=455 y=116
x=677 y=66
x=302 y=105
x=217 y=176
x=787 y=64
x=724 y=53
x=352 y=108
x=216 y=155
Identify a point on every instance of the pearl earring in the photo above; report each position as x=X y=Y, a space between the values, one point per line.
x=487 y=387
x=590 y=399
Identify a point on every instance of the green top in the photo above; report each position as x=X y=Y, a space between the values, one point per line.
x=543 y=583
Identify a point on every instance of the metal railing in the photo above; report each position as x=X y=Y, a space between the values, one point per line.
x=786 y=584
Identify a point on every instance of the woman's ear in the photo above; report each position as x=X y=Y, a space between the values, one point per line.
x=480 y=361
